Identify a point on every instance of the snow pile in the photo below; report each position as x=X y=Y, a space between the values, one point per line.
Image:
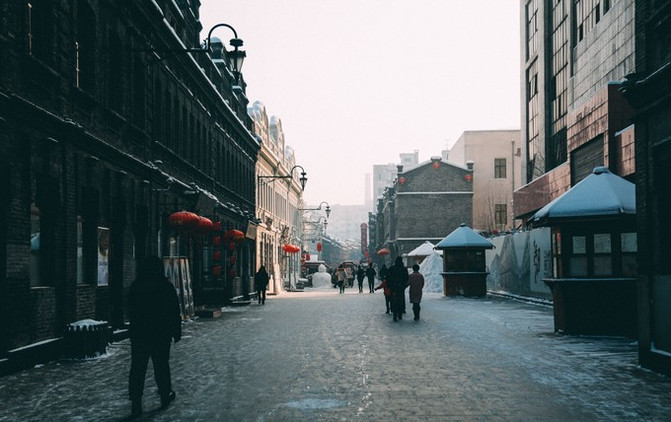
x=321 y=278
x=431 y=268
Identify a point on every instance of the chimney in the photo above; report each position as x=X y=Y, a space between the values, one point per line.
x=399 y=168
x=469 y=165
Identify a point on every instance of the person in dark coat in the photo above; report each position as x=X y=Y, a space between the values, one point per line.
x=261 y=283
x=370 y=274
x=397 y=280
x=360 y=274
x=416 y=282
x=384 y=271
x=155 y=320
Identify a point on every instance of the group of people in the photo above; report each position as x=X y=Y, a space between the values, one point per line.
x=156 y=321
x=345 y=277
x=394 y=282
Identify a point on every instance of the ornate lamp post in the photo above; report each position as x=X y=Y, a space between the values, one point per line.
x=328 y=208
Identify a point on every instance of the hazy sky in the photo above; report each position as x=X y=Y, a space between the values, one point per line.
x=356 y=82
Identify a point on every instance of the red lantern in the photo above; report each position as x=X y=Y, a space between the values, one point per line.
x=216 y=270
x=232 y=273
x=468 y=177
x=216 y=255
x=401 y=180
x=216 y=240
x=307 y=256
x=205 y=224
x=184 y=220
x=291 y=248
x=232 y=259
x=231 y=246
x=436 y=165
x=217 y=225
x=319 y=247
x=383 y=251
x=234 y=235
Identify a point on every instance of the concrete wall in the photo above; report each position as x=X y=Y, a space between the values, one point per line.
x=519 y=263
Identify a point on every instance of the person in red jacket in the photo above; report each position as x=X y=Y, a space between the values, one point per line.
x=387 y=293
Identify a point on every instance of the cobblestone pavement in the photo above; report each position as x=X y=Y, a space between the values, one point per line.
x=321 y=356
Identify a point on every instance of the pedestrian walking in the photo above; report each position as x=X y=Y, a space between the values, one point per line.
x=383 y=272
x=370 y=274
x=416 y=282
x=342 y=279
x=261 y=279
x=349 y=271
x=387 y=294
x=155 y=320
x=397 y=280
x=360 y=275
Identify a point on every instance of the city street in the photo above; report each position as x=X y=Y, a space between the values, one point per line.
x=317 y=355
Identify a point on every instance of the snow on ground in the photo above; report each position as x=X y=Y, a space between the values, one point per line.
x=431 y=268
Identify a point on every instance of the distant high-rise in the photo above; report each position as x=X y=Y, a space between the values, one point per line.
x=368 y=196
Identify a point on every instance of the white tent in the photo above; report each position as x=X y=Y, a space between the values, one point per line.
x=425 y=249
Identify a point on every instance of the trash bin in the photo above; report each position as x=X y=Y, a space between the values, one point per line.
x=86 y=338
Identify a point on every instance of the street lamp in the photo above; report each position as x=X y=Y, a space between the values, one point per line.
x=303 y=179
x=328 y=208
x=236 y=57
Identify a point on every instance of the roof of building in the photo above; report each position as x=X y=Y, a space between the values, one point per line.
x=600 y=194
x=464 y=237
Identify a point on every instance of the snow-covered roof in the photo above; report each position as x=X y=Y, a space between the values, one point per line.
x=464 y=237
x=425 y=249
x=600 y=194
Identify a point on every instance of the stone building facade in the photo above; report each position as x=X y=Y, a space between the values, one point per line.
x=277 y=201
x=107 y=127
x=427 y=202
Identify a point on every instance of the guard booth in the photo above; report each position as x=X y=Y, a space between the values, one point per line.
x=464 y=270
x=594 y=250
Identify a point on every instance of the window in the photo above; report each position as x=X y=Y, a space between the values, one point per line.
x=603 y=260
x=557 y=270
x=629 y=250
x=115 y=76
x=85 y=48
x=35 y=262
x=39 y=29
x=499 y=168
x=500 y=214
x=578 y=261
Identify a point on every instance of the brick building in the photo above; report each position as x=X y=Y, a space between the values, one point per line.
x=649 y=92
x=427 y=202
x=573 y=119
x=107 y=127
